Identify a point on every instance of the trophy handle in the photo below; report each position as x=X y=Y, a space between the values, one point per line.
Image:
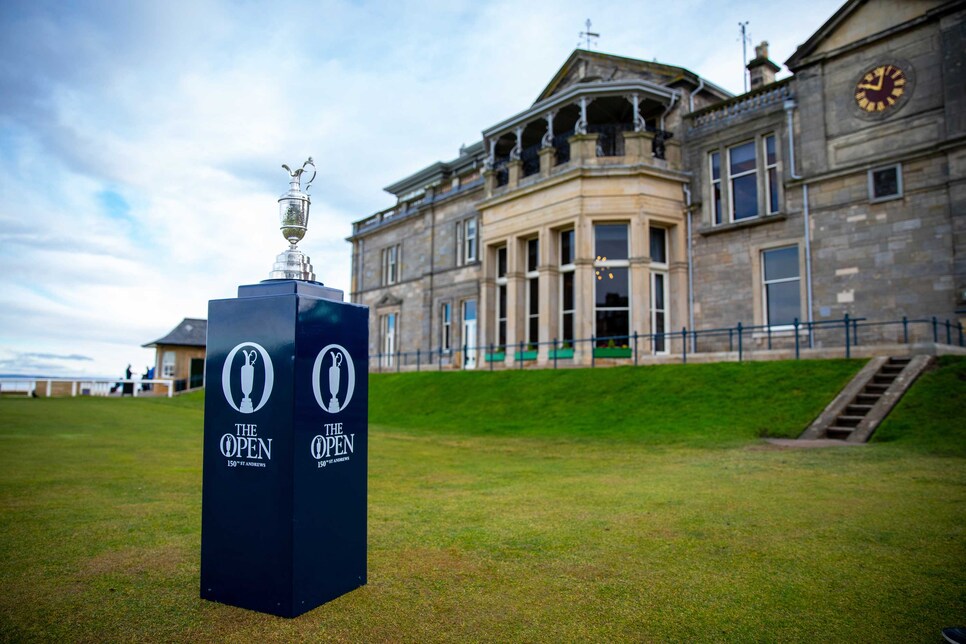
x=314 y=171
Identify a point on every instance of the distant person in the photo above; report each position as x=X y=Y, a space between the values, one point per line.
x=146 y=376
x=128 y=389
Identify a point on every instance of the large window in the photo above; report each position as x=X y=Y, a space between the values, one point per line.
x=659 y=266
x=466 y=241
x=567 y=269
x=390 y=265
x=501 y=286
x=781 y=286
x=533 y=291
x=744 y=180
x=612 y=292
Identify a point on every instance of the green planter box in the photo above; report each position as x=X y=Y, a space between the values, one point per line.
x=561 y=354
x=525 y=355
x=613 y=352
x=495 y=357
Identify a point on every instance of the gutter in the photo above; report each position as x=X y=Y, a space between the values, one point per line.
x=790 y=106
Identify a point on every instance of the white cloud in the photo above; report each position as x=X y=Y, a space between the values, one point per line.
x=185 y=111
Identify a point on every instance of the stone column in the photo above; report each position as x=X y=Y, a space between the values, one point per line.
x=515 y=169
x=489 y=182
x=640 y=275
x=584 y=289
x=515 y=296
x=637 y=146
x=583 y=148
x=549 y=294
x=547 y=159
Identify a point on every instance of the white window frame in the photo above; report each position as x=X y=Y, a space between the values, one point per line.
x=746 y=173
x=765 y=283
x=659 y=270
x=467 y=241
x=168 y=366
x=501 y=283
x=390 y=265
x=764 y=185
x=532 y=277
x=771 y=187
x=565 y=269
x=389 y=333
x=873 y=198
x=606 y=263
x=446 y=327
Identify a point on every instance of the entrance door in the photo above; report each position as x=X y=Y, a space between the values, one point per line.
x=469 y=334
x=659 y=311
x=197 y=378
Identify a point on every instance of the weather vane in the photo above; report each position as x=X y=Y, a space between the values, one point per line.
x=588 y=35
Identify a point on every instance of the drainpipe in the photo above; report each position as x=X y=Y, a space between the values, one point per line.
x=692 y=94
x=687 y=200
x=789 y=108
x=674 y=99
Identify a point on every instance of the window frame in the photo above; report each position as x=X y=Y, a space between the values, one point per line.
x=607 y=263
x=446 y=327
x=784 y=280
x=173 y=363
x=467 y=241
x=532 y=294
x=567 y=269
x=659 y=270
x=873 y=198
x=721 y=193
x=390 y=265
x=501 y=296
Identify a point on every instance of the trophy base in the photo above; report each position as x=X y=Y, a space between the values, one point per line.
x=333 y=405
x=246 y=405
x=292 y=265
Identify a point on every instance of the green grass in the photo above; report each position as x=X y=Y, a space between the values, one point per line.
x=640 y=527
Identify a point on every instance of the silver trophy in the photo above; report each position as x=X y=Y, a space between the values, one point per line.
x=247 y=380
x=335 y=375
x=293 y=208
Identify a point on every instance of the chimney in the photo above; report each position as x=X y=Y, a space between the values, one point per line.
x=761 y=71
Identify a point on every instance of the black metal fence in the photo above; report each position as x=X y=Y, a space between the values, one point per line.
x=845 y=333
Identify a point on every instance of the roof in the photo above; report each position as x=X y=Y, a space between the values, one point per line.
x=191 y=332
x=669 y=74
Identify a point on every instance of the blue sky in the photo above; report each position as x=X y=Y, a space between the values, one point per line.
x=141 y=142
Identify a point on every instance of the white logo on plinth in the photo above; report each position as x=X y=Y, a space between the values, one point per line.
x=255 y=354
x=338 y=369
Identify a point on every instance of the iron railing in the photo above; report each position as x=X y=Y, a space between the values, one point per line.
x=740 y=341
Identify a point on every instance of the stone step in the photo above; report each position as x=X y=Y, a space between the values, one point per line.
x=891 y=370
x=898 y=361
x=858 y=409
x=848 y=421
x=883 y=379
x=868 y=399
x=838 y=432
x=874 y=388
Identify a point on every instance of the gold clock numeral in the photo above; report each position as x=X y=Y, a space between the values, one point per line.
x=900 y=82
x=891 y=101
x=880 y=106
x=897 y=92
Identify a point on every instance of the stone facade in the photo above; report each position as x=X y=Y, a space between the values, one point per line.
x=837 y=191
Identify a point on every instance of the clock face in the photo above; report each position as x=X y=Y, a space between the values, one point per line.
x=880 y=88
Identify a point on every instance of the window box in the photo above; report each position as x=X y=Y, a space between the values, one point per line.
x=613 y=352
x=525 y=355
x=560 y=354
x=494 y=357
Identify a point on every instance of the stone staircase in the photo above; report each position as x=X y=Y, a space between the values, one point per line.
x=859 y=409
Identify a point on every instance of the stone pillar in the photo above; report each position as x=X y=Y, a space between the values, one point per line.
x=584 y=289
x=549 y=294
x=547 y=160
x=489 y=182
x=583 y=147
x=640 y=275
x=515 y=296
x=637 y=146
x=515 y=169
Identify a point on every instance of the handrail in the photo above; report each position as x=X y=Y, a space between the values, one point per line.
x=98 y=386
x=842 y=333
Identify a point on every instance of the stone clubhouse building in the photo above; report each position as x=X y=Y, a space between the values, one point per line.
x=635 y=199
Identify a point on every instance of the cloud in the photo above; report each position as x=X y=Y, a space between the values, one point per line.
x=141 y=143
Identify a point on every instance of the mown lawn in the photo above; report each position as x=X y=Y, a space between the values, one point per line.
x=622 y=504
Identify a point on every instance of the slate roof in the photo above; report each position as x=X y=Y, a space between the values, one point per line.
x=192 y=332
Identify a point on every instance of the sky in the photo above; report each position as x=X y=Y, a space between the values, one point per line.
x=141 y=142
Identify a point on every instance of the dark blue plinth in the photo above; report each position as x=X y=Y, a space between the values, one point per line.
x=283 y=520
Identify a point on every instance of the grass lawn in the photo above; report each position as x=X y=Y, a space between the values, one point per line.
x=614 y=504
